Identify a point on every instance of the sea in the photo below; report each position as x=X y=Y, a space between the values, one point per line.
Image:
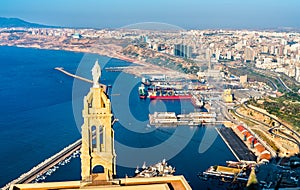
x=41 y=114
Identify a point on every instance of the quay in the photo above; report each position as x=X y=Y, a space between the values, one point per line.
x=235 y=144
x=44 y=166
x=191 y=119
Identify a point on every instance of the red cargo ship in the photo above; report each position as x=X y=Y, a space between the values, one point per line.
x=171 y=97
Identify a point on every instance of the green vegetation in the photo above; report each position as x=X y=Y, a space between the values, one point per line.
x=290 y=82
x=286 y=107
x=266 y=139
x=291 y=96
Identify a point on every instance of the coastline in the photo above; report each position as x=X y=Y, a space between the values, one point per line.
x=145 y=69
x=183 y=169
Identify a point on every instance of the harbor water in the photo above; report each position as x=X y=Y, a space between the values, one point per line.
x=41 y=114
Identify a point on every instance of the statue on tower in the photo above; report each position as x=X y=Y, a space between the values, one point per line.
x=97 y=147
x=96 y=72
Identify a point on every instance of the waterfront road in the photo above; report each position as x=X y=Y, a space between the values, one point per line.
x=236 y=145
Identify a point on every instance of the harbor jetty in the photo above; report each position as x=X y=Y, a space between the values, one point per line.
x=46 y=165
x=61 y=69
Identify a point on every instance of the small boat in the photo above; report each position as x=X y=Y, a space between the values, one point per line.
x=157 y=170
x=142 y=92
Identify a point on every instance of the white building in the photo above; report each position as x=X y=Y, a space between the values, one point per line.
x=229 y=55
x=297 y=73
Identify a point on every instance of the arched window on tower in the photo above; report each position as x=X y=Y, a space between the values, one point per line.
x=98 y=169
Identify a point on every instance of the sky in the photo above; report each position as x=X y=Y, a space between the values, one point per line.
x=187 y=14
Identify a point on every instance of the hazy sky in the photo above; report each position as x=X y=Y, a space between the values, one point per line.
x=183 y=13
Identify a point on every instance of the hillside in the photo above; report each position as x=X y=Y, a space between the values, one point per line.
x=15 y=22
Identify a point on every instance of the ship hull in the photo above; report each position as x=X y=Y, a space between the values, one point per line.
x=180 y=97
x=143 y=96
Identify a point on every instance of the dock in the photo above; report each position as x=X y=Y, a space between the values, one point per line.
x=235 y=144
x=191 y=119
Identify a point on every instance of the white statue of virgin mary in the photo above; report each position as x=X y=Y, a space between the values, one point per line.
x=96 y=72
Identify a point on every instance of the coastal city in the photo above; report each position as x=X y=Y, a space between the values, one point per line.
x=132 y=107
x=266 y=50
x=242 y=78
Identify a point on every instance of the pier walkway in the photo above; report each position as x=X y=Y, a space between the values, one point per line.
x=235 y=144
x=78 y=77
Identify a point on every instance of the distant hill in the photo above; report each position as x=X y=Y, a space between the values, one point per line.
x=15 y=22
